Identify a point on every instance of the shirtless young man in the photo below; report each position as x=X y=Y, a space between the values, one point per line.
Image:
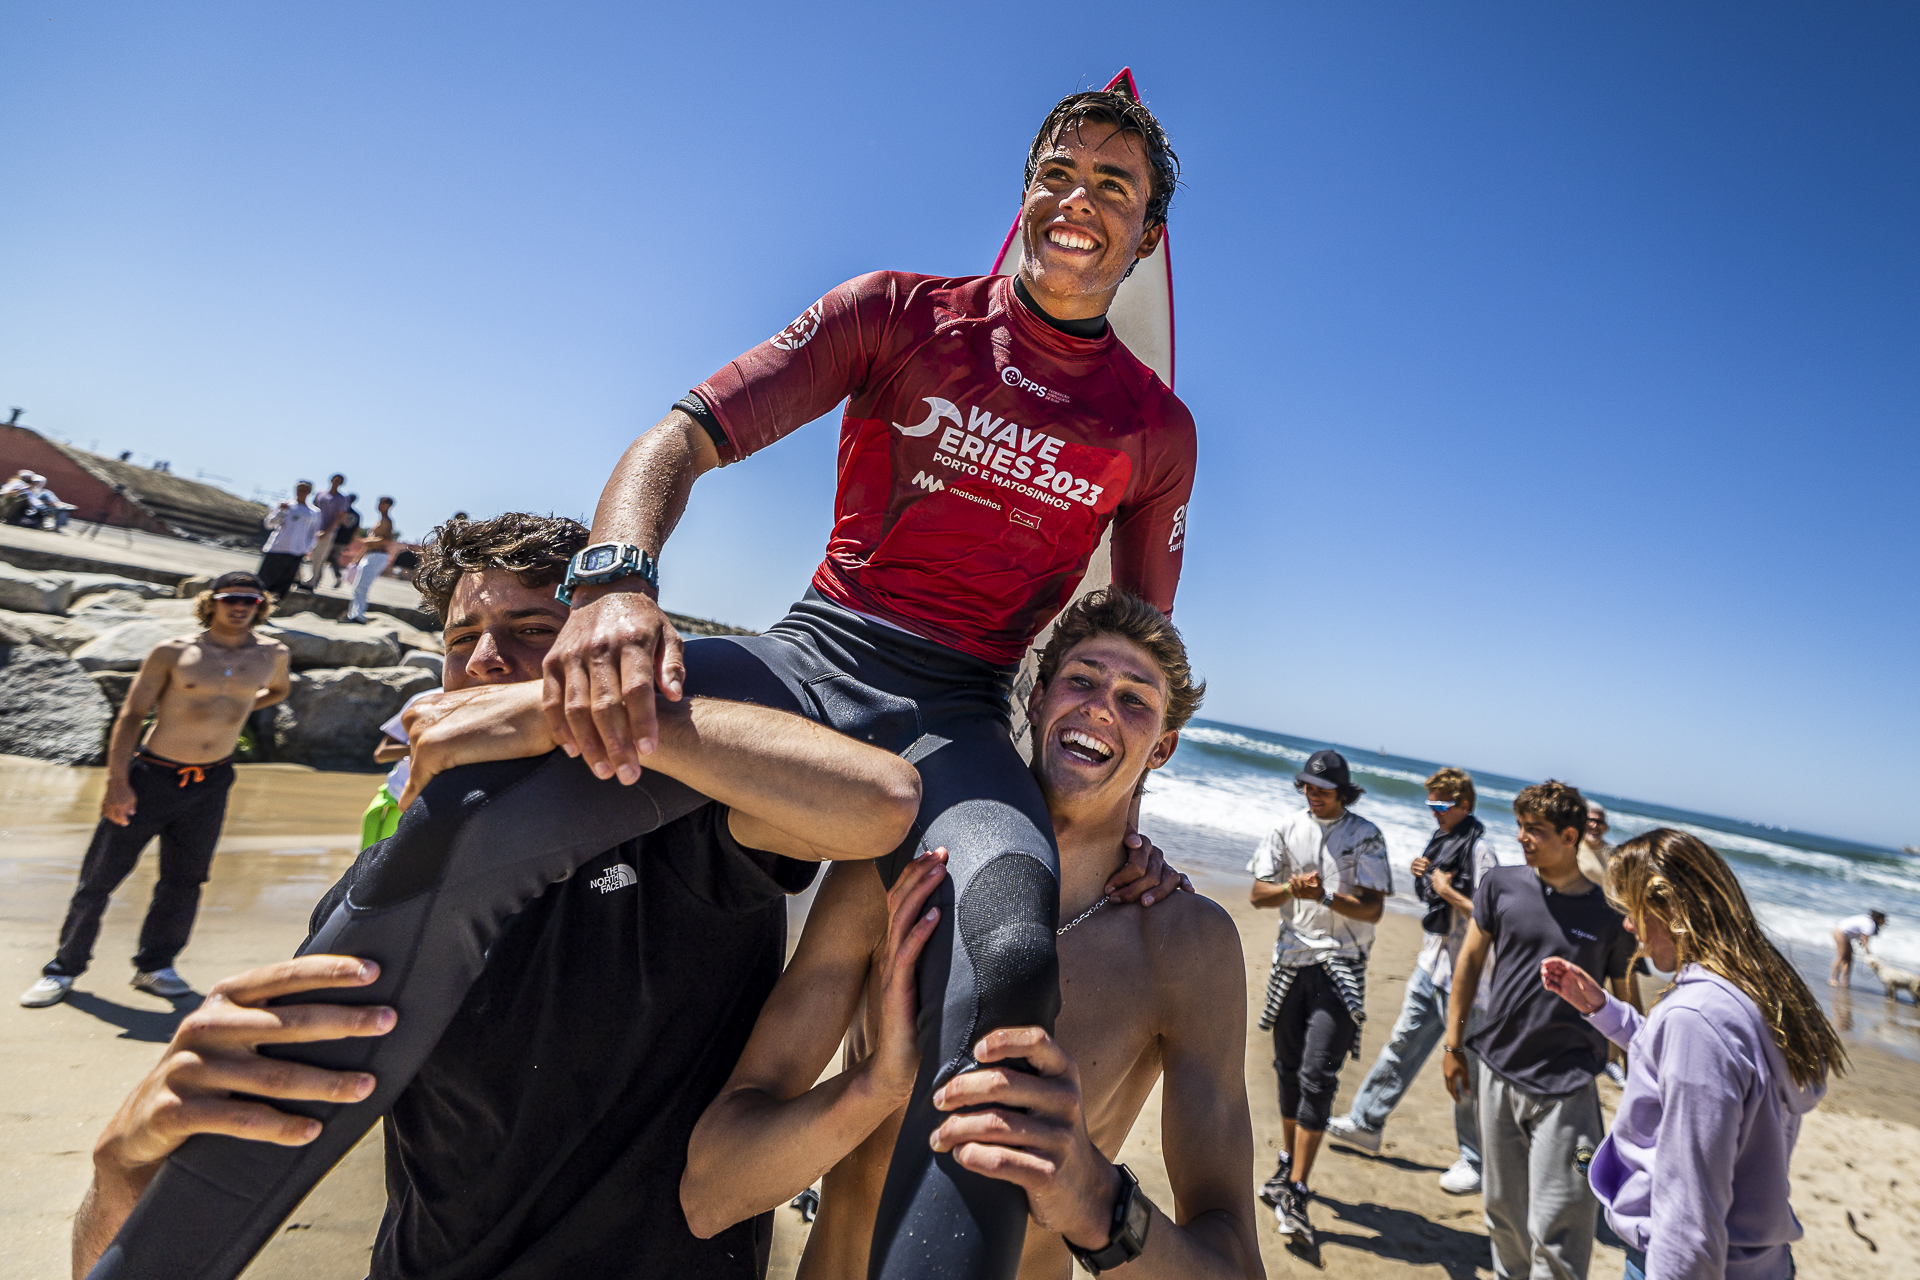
x=1145 y=993
x=201 y=689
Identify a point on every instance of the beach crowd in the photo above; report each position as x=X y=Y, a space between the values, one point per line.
x=557 y=971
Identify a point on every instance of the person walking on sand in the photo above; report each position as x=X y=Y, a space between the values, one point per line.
x=173 y=784
x=1849 y=931
x=1539 y=1107
x=333 y=506
x=294 y=527
x=1444 y=876
x=1693 y=1175
x=373 y=561
x=1326 y=868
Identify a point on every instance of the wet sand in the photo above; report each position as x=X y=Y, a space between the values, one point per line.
x=291 y=831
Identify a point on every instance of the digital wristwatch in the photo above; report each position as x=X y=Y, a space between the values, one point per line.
x=605 y=562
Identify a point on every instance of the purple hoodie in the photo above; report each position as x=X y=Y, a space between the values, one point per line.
x=1695 y=1169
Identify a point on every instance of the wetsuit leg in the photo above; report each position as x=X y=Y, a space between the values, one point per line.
x=990 y=963
x=427 y=907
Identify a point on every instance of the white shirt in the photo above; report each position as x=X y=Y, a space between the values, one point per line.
x=1440 y=951
x=294 y=528
x=1349 y=853
x=1859 y=927
x=403 y=769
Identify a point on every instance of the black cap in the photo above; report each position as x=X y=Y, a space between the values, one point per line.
x=1325 y=769
x=242 y=580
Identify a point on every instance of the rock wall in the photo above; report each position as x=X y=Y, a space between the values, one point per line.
x=332 y=719
x=49 y=709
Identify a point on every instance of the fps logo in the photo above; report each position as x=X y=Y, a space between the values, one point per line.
x=801 y=331
x=1177 y=537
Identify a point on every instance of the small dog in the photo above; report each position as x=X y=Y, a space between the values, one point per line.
x=1895 y=980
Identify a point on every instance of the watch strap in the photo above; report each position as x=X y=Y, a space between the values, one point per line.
x=1126 y=1240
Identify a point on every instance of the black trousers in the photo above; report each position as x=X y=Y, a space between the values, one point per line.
x=483 y=841
x=182 y=804
x=1311 y=1038
x=278 y=570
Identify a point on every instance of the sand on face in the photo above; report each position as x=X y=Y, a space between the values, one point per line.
x=291 y=831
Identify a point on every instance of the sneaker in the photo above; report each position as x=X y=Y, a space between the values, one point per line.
x=806 y=1204
x=51 y=989
x=1275 y=1188
x=1343 y=1130
x=1617 y=1074
x=1291 y=1214
x=1461 y=1180
x=162 y=982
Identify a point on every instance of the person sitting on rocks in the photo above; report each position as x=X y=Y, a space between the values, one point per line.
x=173 y=784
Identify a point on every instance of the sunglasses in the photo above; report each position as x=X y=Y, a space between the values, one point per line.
x=238 y=598
x=1441 y=806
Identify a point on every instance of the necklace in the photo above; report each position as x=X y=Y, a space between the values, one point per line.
x=1061 y=931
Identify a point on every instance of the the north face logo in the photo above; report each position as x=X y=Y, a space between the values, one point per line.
x=932 y=484
x=619 y=876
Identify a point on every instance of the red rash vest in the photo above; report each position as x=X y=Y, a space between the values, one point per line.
x=982 y=455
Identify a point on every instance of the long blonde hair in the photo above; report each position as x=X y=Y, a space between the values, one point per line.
x=1680 y=879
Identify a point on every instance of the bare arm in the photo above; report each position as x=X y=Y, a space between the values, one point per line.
x=279 y=684
x=211 y=1058
x=155 y=671
x=1466 y=985
x=797 y=788
x=1206 y=1132
x=1268 y=894
x=769 y=1135
x=1365 y=905
x=618 y=647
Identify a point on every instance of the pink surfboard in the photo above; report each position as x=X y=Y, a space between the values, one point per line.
x=1142 y=317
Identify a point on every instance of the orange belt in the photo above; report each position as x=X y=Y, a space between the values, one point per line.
x=198 y=772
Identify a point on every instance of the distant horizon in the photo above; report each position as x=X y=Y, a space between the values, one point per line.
x=1609 y=800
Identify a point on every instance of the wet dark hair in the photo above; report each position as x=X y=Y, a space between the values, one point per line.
x=534 y=549
x=1128 y=115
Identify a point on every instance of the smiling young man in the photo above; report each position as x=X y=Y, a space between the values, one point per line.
x=171 y=781
x=544 y=1136
x=1325 y=868
x=995 y=429
x=1538 y=1105
x=1146 y=993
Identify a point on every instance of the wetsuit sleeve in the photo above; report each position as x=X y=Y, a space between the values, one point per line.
x=804 y=370
x=1150 y=529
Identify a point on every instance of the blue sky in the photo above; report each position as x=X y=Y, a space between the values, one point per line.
x=1557 y=367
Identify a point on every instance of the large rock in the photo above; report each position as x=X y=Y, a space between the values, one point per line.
x=108 y=600
x=49 y=709
x=113 y=686
x=88 y=584
x=33 y=592
x=331 y=719
x=48 y=630
x=420 y=658
x=316 y=642
x=126 y=646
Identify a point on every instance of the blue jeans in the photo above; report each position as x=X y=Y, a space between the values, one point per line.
x=1422 y=1025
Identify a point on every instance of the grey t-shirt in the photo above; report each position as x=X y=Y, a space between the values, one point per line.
x=1532 y=1038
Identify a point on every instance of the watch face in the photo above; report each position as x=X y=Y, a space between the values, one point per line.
x=599 y=559
x=1139 y=1214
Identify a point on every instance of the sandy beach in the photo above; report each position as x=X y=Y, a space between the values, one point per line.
x=290 y=832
